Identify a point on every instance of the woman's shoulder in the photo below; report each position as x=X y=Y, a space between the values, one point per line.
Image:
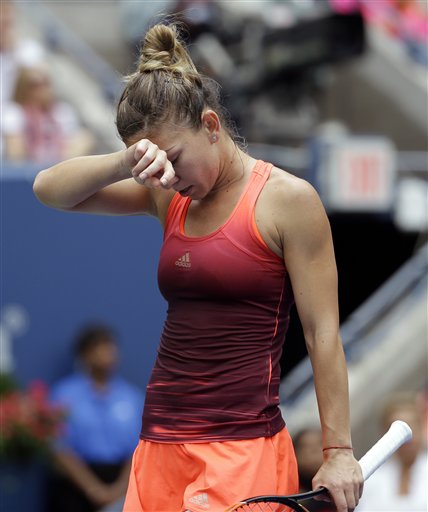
x=288 y=209
x=292 y=207
x=290 y=190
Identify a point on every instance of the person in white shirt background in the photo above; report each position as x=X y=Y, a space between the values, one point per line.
x=15 y=51
x=37 y=126
x=401 y=483
x=34 y=125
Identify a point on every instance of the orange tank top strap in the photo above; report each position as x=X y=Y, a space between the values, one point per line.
x=245 y=212
x=258 y=179
x=175 y=211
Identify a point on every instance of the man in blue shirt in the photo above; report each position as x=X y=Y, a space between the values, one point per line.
x=101 y=431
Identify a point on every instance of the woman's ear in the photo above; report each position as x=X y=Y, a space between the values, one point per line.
x=211 y=124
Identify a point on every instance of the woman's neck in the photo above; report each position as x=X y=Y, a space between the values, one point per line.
x=100 y=380
x=234 y=167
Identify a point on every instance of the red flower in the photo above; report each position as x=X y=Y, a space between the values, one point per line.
x=29 y=423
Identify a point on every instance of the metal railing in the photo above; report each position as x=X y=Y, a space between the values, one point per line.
x=359 y=324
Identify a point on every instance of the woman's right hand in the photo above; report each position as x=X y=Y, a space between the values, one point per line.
x=149 y=165
x=101 y=184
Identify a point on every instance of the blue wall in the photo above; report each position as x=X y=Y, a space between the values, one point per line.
x=68 y=269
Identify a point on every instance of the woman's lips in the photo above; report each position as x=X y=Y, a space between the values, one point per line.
x=185 y=191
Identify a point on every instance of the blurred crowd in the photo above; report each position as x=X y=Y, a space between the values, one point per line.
x=403 y=20
x=259 y=51
x=36 y=125
x=274 y=58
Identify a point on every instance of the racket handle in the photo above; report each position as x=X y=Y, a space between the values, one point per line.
x=399 y=433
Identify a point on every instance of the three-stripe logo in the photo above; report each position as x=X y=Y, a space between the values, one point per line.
x=184 y=261
x=201 y=500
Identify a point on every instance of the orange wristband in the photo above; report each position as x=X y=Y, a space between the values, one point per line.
x=337 y=448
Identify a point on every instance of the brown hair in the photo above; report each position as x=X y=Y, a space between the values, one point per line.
x=27 y=79
x=91 y=336
x=167 y=88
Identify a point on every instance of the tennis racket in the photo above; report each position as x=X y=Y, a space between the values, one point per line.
x=398 y=434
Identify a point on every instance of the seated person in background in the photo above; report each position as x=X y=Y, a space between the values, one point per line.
x=308 y=449
x=38 y=127
x=101 y=430
x=15 y=51
x=401 y=483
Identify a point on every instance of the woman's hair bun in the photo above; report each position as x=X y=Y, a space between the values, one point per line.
x=166 y=88
x=163 y=50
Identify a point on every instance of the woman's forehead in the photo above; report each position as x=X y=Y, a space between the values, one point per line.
x=166 y=139
x=171 y=137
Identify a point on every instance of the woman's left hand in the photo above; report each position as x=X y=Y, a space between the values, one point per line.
x=341 y=474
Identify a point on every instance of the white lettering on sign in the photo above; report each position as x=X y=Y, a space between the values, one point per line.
x=360 y=174
x=14 y=322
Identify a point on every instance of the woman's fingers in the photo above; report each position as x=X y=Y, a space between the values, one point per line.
x=153 y=169
x=340 y=501
x=149 y=163
x=344 y=500
x=341 y=474
x=150 y=182
x=169 y=178
x=351 y=500
x=170 y=183
x=144 y=153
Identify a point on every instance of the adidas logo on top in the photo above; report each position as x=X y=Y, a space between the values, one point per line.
x=184 y=261
x=201 y=500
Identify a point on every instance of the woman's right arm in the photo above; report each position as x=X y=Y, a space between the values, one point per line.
x=108 y=184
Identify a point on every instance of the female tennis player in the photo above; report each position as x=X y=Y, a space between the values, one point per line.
x=242 y=241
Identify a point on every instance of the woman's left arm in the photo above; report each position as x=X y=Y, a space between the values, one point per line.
x=309 y=257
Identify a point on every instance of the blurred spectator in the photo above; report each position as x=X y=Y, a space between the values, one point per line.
x=404 y=20
x=15 y=52
x=414 y=29
x=101 y=431
x=308 y=449
x=401 y=483
x=37 y=126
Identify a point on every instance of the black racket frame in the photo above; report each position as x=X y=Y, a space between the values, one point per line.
x=291 y=500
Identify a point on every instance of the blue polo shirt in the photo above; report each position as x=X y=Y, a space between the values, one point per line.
x=101 y=426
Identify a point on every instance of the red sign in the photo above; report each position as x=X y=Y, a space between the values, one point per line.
x=360 y=174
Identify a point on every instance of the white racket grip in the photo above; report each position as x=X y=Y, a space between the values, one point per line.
x=399 y=433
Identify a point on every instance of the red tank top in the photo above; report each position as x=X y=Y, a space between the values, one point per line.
x=217 y=372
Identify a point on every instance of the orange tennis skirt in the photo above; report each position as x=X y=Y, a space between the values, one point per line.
x=211 y=477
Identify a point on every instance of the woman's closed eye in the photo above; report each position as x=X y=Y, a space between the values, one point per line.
x=174 y=160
